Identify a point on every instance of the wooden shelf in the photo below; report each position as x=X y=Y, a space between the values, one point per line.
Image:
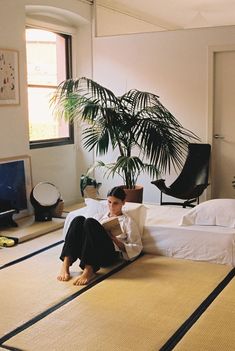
x=28 y=229
x=74 y=207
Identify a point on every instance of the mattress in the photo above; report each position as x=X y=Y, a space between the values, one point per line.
x=162 y=235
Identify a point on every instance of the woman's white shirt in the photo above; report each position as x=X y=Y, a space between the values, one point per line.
x=130 y=236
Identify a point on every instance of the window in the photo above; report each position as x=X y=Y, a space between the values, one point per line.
x=48 y=64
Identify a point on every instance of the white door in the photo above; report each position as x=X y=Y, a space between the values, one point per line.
x=224 y=125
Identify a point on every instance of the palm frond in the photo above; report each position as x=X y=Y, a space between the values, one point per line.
x=164 y=141
x=136 y=120
x=73 y=95
x=96 y=139
x=135 y=100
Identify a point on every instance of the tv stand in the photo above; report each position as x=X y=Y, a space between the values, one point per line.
x=6 y=219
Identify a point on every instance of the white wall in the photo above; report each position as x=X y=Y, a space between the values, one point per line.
x=171 y=64
x=61 y=165
x=174 y=65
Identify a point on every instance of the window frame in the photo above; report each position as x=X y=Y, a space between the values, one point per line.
x=37 y=144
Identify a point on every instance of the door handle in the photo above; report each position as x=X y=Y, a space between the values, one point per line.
x=218 y=136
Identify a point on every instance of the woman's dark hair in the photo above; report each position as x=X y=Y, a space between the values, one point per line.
x=117 y=192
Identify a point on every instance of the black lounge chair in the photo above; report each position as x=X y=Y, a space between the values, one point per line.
x=193 y=179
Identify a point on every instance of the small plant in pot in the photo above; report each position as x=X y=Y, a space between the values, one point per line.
x=89 y=186
x=147 y=136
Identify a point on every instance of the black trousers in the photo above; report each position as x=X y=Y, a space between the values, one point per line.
x=87 y=240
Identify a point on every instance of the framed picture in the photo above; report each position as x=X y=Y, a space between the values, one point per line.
x=9 y=77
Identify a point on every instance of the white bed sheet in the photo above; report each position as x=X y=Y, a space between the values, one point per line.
x=80 y=212
x=164 y=236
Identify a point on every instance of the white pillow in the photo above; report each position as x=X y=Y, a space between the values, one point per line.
x=95 y=208
x=137 y=212
x=98 y=209
x=219 y=212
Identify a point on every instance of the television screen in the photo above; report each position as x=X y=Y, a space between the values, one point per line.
x=13 y=193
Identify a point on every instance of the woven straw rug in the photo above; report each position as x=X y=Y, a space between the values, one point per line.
x=215 y=330
x=137 y=308
x=29 y=287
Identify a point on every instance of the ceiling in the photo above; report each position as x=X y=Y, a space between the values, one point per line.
x=176 y=14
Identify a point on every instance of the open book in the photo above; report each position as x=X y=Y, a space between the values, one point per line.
x=112 y=225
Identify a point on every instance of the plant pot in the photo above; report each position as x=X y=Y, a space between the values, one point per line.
x=91 y=192
x=134 y=195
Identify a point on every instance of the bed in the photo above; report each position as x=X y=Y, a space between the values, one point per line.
x=204 y=233
x=162 y=235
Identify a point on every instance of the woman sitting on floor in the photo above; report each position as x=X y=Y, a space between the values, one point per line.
x=87 y=240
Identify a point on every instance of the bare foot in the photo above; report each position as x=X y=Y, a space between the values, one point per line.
x=86 y=276
x=64 y=275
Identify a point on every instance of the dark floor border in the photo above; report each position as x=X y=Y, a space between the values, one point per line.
x=10 y=348
x=183 y=329
x=63 y=302
x=20 y=259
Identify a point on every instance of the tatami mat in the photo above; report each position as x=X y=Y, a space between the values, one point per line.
x=8 y=254
x=215 y=330
x=138 y=308
x=30 y=287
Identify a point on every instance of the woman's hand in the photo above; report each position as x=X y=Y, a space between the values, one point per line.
x=119 y=244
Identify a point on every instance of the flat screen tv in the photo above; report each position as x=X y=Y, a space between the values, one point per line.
x=15 y=185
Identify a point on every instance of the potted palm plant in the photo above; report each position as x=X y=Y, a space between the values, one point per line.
x=148 y=137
